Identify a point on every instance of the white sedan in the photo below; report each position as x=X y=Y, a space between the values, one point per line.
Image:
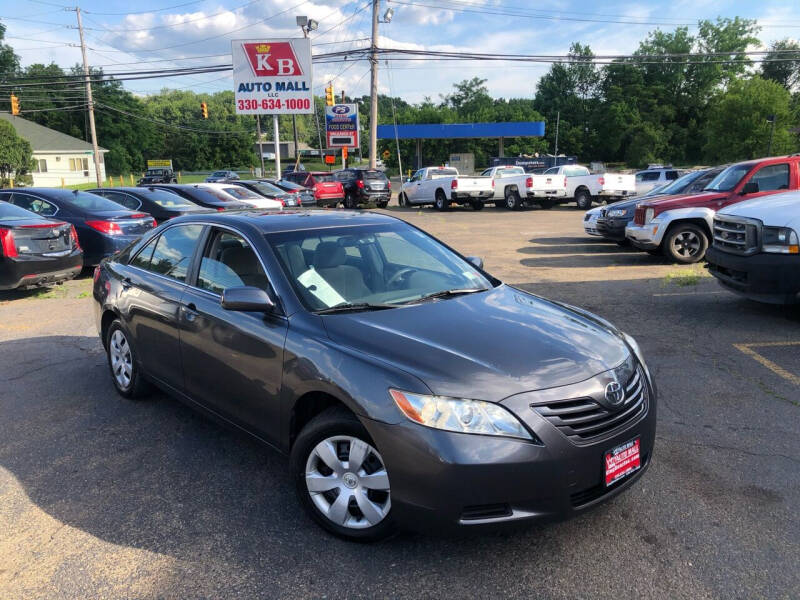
x=229 y=192
x=590 y=220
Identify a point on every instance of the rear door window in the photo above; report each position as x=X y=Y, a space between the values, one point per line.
x=772 y=177
x=229 y=261
x=34 y=204
x=125 y=200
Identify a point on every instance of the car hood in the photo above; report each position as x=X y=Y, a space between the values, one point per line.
x=486 y=345
x=683 y=200
x=623 y=204
x=777 y=209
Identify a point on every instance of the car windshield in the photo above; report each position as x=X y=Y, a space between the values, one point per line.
x=323 y=177
x=375 y=265
x=88 y=201
x=677 y=186
x=729 y=178
x=219 y=173
x=9 y=212
x=167 y=199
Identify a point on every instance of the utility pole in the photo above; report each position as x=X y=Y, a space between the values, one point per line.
x=277 y=146
x=373 y=101
x=86 y=78
x=771 y=119
x=260 y=149
x=558 y=118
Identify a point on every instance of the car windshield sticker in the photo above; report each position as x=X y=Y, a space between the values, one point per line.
x=320 y=289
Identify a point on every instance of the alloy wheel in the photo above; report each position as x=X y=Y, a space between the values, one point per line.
x=121 y=361
x=348 y=483
x=686 y=244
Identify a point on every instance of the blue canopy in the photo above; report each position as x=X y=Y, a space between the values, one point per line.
x=430 y=131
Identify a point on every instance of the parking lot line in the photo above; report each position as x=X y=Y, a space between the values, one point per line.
x=688 y=293
x=775 y=368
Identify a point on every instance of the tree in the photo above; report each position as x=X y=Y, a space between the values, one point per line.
x=782 y=64
x=16 y=155
x=737 y=127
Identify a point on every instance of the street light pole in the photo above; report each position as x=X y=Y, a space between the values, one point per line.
x=87 y=79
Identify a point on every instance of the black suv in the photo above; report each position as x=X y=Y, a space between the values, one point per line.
x=158 y=175
x=364 y=186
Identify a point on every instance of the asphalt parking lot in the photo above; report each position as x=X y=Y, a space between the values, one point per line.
x=101 y=497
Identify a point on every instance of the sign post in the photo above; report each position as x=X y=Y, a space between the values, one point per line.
x=273 y=77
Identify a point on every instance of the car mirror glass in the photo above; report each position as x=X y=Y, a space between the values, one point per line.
x=246 y=298
x=476 y=261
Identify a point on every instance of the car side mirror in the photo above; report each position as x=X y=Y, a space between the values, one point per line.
x=751 y=187
x=476 y=261
x=246 y=298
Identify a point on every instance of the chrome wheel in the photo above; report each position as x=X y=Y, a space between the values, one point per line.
x=119 y=352
x=686 y=244
x=347 y=481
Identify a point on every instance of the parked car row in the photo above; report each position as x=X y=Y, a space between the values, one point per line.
x=744 y=220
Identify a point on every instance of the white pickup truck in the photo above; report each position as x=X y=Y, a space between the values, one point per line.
x=441 y=186
x=585 y=187
x=514 y=188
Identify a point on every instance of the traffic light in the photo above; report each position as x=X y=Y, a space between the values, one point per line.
x=204 y=110
x=14 y=105
x=329 y=99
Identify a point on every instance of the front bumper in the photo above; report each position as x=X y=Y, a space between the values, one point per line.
x=32 y=271
x=646 y=237
x=771 y=278
x=590 y=227
x=446 y=482
x=612 y=228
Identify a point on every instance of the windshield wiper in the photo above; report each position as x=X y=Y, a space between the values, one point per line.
x=349 y=307
x=446 y=294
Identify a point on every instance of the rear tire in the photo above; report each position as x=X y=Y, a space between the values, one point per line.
x=382 y=204
x=440 y=201
x=547 y=204
x=402 y=200
x=477 y=205
x=685 y=243
x=125 y=372
x=513 y=201
x=349 y=202
x=323 y=467
x=583 y=199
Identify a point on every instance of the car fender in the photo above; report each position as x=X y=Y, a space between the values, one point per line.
x=667 y=218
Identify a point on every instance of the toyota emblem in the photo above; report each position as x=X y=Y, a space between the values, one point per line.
x=614 y=393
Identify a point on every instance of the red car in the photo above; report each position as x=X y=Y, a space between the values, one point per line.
x=680 y=226
x=327 y=191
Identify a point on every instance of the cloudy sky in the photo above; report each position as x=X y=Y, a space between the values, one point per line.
x=172 y=33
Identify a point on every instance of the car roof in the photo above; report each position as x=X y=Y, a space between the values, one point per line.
x=294 y=220
x=50 y=193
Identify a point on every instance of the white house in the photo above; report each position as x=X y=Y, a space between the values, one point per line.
x=60 y=159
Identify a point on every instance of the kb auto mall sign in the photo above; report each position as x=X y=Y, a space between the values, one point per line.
x=272 y=77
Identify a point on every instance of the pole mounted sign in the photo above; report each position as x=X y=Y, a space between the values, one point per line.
x=341 y=126
x=272 y=77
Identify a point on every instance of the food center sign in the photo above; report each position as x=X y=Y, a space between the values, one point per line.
x=341 y=126
x=272 y=77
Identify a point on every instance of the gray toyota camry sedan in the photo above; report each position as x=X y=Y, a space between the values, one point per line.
x=408 y=386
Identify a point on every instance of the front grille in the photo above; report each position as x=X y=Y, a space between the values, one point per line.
x=638 y=216
x=596 y=492
x=735 y=236
x=584 y=419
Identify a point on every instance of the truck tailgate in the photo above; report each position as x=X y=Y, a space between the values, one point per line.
x=549 y=184
x=617 y=184
x=473 y=184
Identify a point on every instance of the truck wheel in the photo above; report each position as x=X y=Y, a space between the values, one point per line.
x=513 y=201
x=402 y=200
x=685 y=243
x=584 y=200
x=440 y=201
x=477 y=205
x=547 y=203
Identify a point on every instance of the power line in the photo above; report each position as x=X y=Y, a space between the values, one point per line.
x=170 y=125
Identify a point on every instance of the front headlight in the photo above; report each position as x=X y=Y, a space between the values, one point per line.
x=617 y=212
x=460 y=415
x=649 y=215
x=781 y=240
x=633 y=345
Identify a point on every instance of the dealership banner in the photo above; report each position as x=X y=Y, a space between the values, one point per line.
x=341 y=126
x=272 y=77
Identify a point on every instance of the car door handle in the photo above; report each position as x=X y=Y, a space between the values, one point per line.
x=190 y=311
x=126 y=283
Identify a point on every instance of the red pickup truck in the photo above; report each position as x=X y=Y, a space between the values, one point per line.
x=680 y=226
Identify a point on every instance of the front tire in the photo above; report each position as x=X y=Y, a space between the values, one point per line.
x=584 y=200
x=685 y=243
x=349 y=202
x=341 y=478
x=402 y=200
x=125 y=372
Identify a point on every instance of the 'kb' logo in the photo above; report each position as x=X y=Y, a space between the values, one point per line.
x=274 y=59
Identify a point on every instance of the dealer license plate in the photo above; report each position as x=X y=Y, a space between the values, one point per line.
x=622 y=461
